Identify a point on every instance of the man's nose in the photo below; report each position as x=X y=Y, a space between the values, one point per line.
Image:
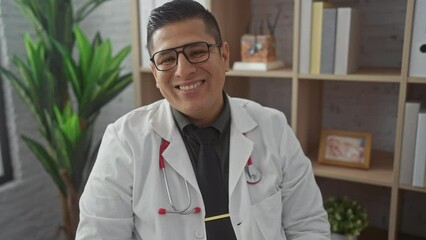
x=184 y=67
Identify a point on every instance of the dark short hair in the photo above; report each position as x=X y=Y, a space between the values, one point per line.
x=180 y=10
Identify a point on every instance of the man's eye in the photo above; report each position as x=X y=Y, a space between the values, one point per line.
x=198 y=53
x=167 y=60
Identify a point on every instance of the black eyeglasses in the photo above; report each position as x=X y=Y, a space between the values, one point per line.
x=196 y=52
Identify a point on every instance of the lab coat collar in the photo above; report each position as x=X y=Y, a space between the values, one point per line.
x=161 y=120
x=163 y=124
x=240 y=150
x=241 y=147
x=240 y=119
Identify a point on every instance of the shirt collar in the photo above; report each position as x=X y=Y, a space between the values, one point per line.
x=220 y=123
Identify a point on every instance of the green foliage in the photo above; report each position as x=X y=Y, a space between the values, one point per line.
x=346 y=216
x=63 y=94
x=36 y=83
x=95 y=78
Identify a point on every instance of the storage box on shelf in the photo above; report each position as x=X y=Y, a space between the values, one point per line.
x=308 y=94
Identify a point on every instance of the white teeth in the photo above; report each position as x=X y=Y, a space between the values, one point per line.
x=190 y=87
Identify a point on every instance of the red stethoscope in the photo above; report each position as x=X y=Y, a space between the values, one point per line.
x=253 y=176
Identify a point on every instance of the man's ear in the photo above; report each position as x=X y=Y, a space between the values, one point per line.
x=225 y=54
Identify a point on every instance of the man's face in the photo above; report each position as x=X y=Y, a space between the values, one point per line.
x=193 y=89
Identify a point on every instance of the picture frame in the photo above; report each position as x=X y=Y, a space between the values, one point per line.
x=345 y=148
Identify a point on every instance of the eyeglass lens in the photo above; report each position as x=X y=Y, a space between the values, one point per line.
x=194 y=53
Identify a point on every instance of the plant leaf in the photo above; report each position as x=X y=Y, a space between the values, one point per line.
x=47 y=161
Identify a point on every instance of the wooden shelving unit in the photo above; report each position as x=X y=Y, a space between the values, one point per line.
x=281 y=73
x=380 y=172
x=362 y=75
x=307 y=100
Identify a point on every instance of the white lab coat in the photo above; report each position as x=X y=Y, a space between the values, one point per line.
x=126 y=186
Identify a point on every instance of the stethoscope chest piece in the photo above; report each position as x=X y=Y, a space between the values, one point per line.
x=253 y=175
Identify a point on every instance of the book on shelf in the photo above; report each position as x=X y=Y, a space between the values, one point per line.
x=305 y=36
x=258 y=66
x=420 y=151
x=409 y=142
x=328 y=42
x=347 y=41
x=316 y=35
x=418 y=41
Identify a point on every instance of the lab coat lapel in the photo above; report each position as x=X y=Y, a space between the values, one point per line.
x=241 y=147
x=178 y=159
x=175 y=154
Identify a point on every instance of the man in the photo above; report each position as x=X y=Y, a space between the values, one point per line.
x=157 y=175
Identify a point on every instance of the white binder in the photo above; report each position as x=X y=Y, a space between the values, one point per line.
x=305 y=36
x=418 y=41
x=347 y=41
x=420 y=151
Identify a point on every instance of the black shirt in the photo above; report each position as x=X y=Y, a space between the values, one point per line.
x=221 y=124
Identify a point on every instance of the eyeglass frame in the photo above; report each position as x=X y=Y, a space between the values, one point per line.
x=209 y=45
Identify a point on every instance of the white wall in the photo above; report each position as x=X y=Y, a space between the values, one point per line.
x=29 y=205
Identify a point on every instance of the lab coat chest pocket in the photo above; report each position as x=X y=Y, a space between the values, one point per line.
x=268 y=217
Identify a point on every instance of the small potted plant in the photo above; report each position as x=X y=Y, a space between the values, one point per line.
x=347 y=218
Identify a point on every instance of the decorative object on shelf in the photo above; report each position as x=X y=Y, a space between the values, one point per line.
x=345 y=148
x=346 y=216
x=258 y=51
x=258 y=66
x=258 y=48
x=65 y=94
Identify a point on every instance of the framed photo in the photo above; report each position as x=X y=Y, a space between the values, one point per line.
x=345 y=148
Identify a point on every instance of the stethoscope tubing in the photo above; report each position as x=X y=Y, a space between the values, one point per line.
x=188 y=195
x=253 y=176
x=184 y=211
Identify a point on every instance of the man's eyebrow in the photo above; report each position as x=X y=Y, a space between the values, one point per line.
x=181 y=46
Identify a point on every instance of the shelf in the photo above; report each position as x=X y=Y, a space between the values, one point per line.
x=411 y=188
x=417 y=80
x=363 y=74
x=373 y=233
x=379 y=173
x=280 y=73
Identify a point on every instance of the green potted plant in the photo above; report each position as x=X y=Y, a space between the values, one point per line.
x=65 y=80
x=346 y=216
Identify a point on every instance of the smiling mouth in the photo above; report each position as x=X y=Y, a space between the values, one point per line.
x=190 y=87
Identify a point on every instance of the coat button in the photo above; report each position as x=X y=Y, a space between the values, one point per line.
x=199 y=234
